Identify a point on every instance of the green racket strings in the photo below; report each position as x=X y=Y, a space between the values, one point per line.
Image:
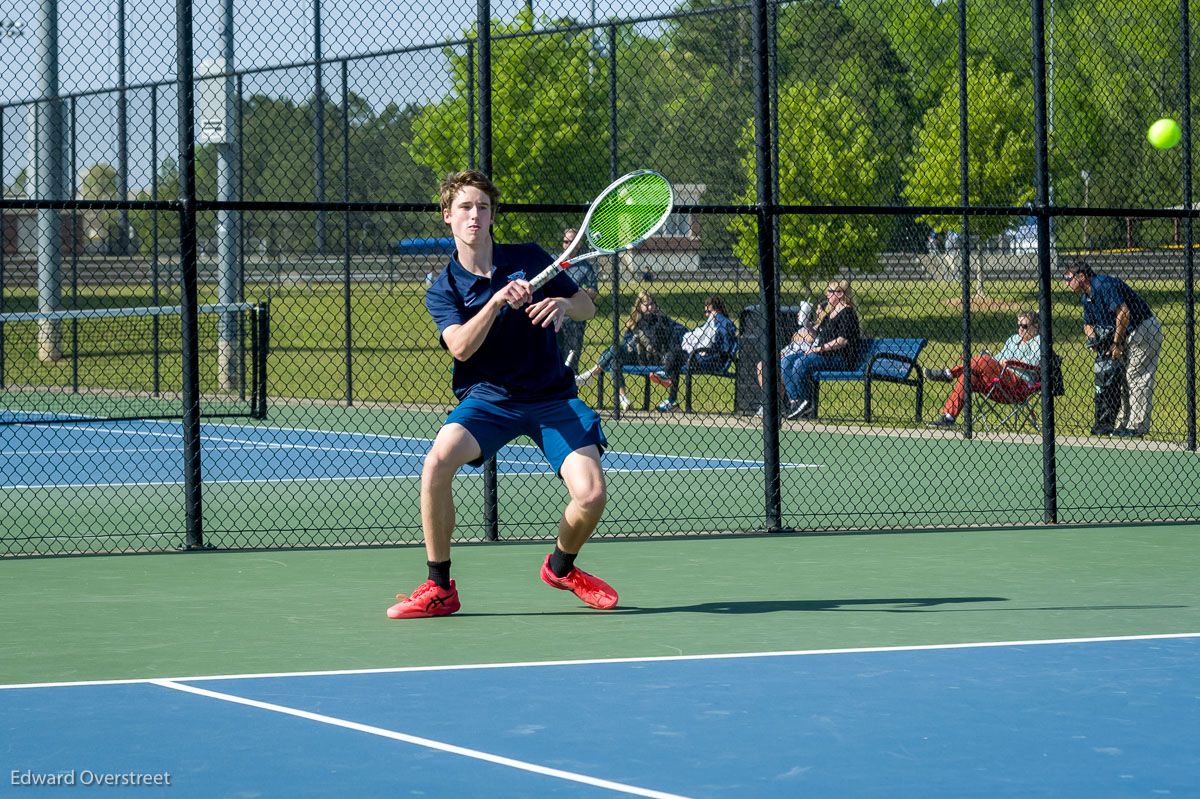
x=630 y=212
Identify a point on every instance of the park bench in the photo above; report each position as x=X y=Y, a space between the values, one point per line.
x=886 y=360
x=690 y=370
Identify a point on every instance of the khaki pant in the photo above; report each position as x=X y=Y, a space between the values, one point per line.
x=1142 y=348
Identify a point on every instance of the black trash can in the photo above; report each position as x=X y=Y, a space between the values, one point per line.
x=747 y=395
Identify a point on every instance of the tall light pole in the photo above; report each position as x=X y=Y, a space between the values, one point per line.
x=318 y=127
x=9 y=29
x=123 y=237
x=1087 y=185
x=228 y=221
x=50 y=184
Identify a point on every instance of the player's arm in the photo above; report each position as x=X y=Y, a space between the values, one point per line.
x=1123 y=316
x=841 y=342
x=552 y=310
x=463 y=341
x=580 y=306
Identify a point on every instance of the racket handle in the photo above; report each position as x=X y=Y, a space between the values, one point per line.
x=543 y=277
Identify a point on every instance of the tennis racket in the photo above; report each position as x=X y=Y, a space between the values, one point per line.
x=625 y=214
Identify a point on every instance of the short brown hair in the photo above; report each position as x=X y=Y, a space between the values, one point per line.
x=455 y=182
x=717 y=304
x=1080 y=267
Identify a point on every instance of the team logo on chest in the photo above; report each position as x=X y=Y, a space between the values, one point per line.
x=518 y=275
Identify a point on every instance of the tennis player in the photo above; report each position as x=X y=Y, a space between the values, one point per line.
x=510 y=380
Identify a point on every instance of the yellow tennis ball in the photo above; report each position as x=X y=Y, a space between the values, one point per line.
x=1164 y=134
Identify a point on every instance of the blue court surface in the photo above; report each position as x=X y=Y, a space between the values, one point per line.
x=1082 y=718
x=150 y=453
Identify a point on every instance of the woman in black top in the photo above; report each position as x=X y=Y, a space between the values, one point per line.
x=835 y=348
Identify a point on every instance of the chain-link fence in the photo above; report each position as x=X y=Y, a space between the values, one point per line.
x=214 y=260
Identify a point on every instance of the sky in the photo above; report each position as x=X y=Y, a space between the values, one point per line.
x=267 y=33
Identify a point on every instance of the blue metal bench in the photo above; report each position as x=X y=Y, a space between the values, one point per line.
x=887 y=360
x=689 y=370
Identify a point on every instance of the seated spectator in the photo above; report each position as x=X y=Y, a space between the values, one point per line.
x=801 y=341
x=711 y=343
x=1023 y=348
x=834 y=348
x=648 y=337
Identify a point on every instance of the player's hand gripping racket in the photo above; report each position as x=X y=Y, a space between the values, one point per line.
x=625 y=214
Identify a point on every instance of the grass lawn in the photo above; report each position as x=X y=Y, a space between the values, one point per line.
x=395 y=357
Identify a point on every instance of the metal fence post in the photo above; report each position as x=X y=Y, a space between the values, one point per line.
x=189 y=299
x=769 y=285
x=1044 y=212
x=483 y=33
x=1189 y=288
x=964 y=240
x=347 y=311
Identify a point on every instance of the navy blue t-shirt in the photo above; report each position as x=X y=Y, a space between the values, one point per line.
x=1108 y=294
x=517 y=359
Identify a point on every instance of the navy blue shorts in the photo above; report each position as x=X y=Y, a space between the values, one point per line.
x=558 y=427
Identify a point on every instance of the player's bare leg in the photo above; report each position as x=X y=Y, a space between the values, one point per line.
x=584 y=479
x=453 y=447
x=438 y=596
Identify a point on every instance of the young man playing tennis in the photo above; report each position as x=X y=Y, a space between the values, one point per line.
x=510 y=380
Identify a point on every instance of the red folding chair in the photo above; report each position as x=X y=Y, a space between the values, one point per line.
x=1011 y=405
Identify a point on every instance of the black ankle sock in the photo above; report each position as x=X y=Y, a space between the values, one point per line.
x=439 y=572
x=561 y=563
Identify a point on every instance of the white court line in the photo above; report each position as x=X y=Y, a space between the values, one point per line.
x=606 y=661
x=239 y=443
x=418 y=741
x=356 y=478
x=382 y=436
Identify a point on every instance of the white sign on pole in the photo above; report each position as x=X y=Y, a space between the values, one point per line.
x=211 y=111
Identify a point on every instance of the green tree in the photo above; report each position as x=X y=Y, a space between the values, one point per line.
x=829 y=155
x=923 y=34
x=682 y=99
x=1117 y=69
x=99 y=182
x=20 y=183
x=381 y=168
x=549 y=120
x=1000 y=150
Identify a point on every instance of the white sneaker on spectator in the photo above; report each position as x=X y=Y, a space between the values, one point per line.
x=624 y=399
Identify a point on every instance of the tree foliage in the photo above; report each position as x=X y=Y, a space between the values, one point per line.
x=867 y=106
x=549 y=120
x=829 y=155
x=999 y=146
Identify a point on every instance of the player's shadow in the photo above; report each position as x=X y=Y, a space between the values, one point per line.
x=943 y=604
x=892 y=605
x=905 y=605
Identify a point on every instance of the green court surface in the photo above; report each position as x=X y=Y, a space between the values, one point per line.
x=207 y=613
x=834 y=477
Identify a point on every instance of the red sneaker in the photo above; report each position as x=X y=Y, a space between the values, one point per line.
x=588 y=587
x=428 y=600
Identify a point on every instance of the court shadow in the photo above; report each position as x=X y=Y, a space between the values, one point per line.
x=884 y=605
x=892 y=605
